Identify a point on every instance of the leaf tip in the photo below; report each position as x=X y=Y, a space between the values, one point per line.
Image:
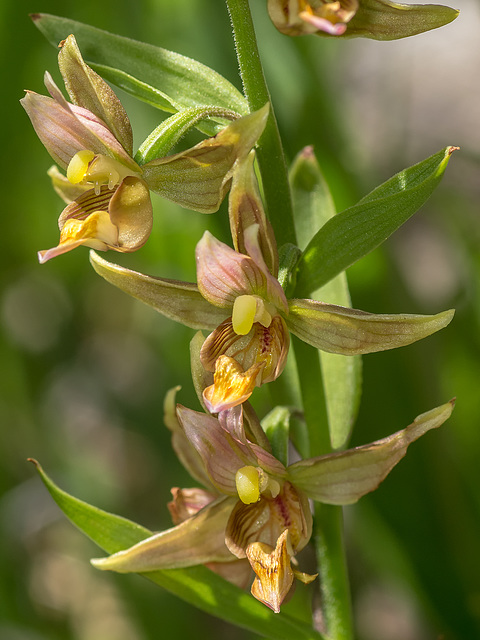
x=35 y=17
x=450 y=150
x=35 y=463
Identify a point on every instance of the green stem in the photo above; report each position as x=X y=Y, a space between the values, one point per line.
x=336 y=618
x=270 y=154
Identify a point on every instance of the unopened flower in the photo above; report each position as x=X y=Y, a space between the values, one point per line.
x=106 y=191
x=261 y=512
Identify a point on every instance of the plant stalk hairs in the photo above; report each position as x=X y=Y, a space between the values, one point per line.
x=249 y=515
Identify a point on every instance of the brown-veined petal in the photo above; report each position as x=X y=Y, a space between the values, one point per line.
x=265 y=520
x=199 y=178
x=231 y=384
x=261 y=344
x=67 y=191
x=349 y=331
x=273 y=572
x=179 y=301
x=343 y=478
x=198 y=540
x=88 y=90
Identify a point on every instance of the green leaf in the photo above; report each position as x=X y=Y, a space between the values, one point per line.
x=276 y=425
x=341 y=375
x=196 y=585
x=353 y=233
x=162 y=78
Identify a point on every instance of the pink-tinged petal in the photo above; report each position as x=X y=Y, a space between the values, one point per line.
x=275 y=293
x=198 y=540
x=350 y=331
x=199 y=178
x=224 y=274
x=87 y=89
x=323 y=24
x=179 y=301
x=187 y=502
x=265 y=520
x=303 y=17
x=343 y=478
x=262 y=344
x=65 y=129
x=245 y=208
x=222 y=456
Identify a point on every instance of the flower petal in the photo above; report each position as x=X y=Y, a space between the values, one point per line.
x=348 y=331
x=132 y=213
x=186 y=452
x=199 y=178
x=245 y=208
x=224 y=274
x=262 y=344
x=87 y=89
x=222 y=455
x=231 y=384
x=198 y=540
x=179 y=301
x=274 y=575
x=65 y=189
x=188 y=502
x=265 y=520
x=343 y=478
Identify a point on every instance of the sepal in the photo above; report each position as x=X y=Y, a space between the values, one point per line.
x=179 y=301
x=343 y=478
x=346 y=331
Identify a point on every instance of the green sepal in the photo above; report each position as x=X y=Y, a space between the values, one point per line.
x=288 y=256
x=179 y=301
x=196 y=585
x=353 y=233
x=344 y=477
x=164 y=137
x=385 y=20
x=313 y=206
x=161 y=78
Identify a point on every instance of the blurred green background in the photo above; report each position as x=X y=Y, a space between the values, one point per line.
x=84 y=369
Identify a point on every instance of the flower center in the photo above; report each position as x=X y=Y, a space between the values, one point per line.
x=85 y=166
x=247 y=310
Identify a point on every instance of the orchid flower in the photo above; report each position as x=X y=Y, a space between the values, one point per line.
x=255 y=508
x=377 y=19
x=239 y=296
x=106 y=191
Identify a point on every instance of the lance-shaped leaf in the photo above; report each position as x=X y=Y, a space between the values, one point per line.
x=313 y=206
x=162 y=78
x=358 y=230
x=343 y=478
x=199 y=177
x=87 y=89
x=350 y=331
x=196 y=585
x=179 y=301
